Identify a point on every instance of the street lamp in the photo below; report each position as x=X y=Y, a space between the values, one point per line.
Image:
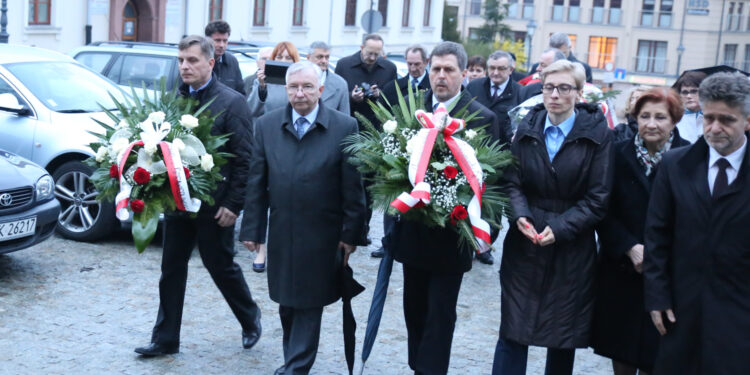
x=680 y=51
x=530 y=28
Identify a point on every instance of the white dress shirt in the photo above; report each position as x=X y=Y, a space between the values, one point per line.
x=446 y=103
x=500 y=88
x=734 y=159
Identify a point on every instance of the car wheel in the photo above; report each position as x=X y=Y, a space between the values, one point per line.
x=82 y=217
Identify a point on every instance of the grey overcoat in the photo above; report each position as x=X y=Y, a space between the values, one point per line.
x=316 y=199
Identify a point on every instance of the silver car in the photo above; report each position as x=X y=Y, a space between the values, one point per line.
x=47 y=102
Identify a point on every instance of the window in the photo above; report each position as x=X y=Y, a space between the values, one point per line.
x=647 y=13
x=96 y=61
x=746 y=65
x=730 y=54
x=614 y=12
x=135 y=70
x=573 y=39
x=519 y=36
x=298 y=12
x=259 y=13
x=652 y=56
x=383 y=9
x=214 y=10
x=39 y=11
x=734 y=18
x=350 y=14
x=476 y=7
x=528 y=9
x=426 y=19
x=574 y=11
x=405 y=13
x=602 y=50
x=557 y=10
x=597 y=13
x=665 y=14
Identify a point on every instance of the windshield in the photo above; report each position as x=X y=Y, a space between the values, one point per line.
x=66 y=86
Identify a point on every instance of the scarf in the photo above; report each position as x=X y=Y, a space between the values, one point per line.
x=648 y=161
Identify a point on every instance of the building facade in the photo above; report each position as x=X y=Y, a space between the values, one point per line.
x=650 y=41
x=62 y=25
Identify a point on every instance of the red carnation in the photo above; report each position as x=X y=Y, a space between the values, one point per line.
x=137 y=205
x=459 y=213
x=114 y=172
x=141 y=176
x=187 y=172
x=450 y=172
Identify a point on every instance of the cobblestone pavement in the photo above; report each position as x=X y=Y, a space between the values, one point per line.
x=80 y=308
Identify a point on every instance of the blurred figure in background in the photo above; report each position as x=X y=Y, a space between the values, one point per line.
x=627 y=129
x=476 y=68
x=691 y=125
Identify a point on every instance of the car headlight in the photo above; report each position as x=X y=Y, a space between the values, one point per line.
x=45 y=187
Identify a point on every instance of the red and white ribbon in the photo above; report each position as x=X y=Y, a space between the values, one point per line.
x=434 y=124
x=175 y=172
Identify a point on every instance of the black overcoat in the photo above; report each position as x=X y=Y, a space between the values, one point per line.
x=509 y=98
x=315 y=198
x=354 y=72
x=233 y=118
x=548 y=292
x=403 y=84
x=437 y=249
x=229 y=73
x=622 y=329
x=697 y=262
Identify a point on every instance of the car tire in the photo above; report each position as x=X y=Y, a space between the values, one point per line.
x=82 y=217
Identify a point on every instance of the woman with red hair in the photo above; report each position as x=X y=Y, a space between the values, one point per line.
x=622 y=329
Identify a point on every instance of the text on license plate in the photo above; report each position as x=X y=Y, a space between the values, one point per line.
x=19 y=228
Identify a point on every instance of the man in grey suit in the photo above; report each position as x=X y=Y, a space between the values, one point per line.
x=300 y=170
x=336 y=92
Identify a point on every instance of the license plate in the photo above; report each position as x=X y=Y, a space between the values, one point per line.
x=19 y=228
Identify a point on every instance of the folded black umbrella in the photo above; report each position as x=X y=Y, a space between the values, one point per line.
x=350 y=289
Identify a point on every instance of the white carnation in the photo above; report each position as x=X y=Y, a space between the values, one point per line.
x=390 y=126
x=178 y=144
x=101 y=153
x=157 y=117
x=119 y=145
x=189 y=121
x=207 y=162
x=150 y=147
x=470 y=134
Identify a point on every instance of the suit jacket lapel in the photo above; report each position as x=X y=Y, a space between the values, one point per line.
x=694 y=165
x=740 y=182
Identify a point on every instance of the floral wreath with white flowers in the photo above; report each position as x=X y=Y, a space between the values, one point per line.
x=426 y=167
x=159 y=156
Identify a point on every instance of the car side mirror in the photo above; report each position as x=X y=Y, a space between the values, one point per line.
x=9 y=103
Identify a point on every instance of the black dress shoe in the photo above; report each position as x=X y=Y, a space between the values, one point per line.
x=485 y=257
x=280 y=370
x=156 y=350
x=250 y=338
x=379 y=253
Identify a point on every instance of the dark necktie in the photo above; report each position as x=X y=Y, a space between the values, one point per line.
x=194 y=94
x=414 y=83
x=495 y=91
x=721 y=183
x=434 y=107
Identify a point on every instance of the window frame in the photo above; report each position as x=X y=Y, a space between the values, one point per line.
x=33 y=19
x=259 y=13
x=212 y=10
x=427 y=13
x=405 y=13
x=298 y=9
x=383 y=9
x=350 y=13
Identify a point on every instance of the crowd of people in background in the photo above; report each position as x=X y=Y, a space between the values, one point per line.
x=630 y=240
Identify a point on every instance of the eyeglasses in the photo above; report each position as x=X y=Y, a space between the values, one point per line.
x=293 y=89
x=498 y=68
x=563 y=89
x=689 y=92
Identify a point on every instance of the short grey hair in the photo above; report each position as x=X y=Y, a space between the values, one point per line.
x=559 y=55
x=497 y=55
x=416 y=48
x=451 y=48
x=565 y=66
x=319 y=45
x=558 y=40
x=304 y=65
x=207 y=45
x=733 y=89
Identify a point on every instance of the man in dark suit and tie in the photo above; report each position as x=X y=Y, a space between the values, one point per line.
x=433 y=261
x=226 y=66
x=417 y=79
x=213 y=228
x=696 y=266
x=300 y=171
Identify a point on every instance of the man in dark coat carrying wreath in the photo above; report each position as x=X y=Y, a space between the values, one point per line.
x=697 y=256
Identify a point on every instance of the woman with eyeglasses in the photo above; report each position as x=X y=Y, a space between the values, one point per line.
x=266 y=97
x=691 y=125
x=622 y=329
x=558 y=192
